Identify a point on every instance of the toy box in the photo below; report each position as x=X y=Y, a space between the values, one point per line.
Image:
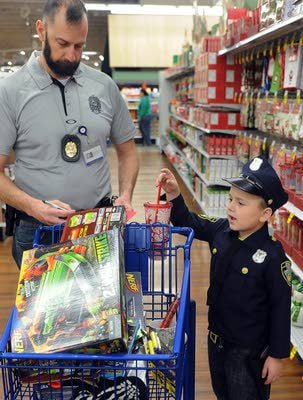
x=134 y=299
x=89 y=222
x=70 y=295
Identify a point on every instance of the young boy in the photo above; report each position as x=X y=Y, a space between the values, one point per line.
x=249 y=293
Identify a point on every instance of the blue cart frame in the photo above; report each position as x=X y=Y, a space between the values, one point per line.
x=165 y=271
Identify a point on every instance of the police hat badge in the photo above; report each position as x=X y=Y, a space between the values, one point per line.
x=70 y=148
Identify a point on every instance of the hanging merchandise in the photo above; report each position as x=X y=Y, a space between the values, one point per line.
x=295 y=118
x=255 y=148
x=271 y=64
x=293 y=65
x=265 y=83
x=276 y=79
x=277 y=115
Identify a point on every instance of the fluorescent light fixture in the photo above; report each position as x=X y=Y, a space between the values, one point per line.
x=147 y=9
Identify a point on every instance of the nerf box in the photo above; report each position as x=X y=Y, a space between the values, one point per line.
x=134 y=299
x=71 y=295
x=93 y=221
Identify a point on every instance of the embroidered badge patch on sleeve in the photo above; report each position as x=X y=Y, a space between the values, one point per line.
x=286 y=271
x=208 y=218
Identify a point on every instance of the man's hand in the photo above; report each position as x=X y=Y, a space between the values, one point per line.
x=124 y=201
x=169 y=184
x=49 y=215
x=272 y=370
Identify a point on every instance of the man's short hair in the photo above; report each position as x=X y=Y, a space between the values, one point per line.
x=75 y=10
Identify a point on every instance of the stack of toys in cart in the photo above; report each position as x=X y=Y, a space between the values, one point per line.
x=89 y=222
x=71 y=295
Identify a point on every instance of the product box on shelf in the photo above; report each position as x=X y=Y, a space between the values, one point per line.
x=71 y=295
x=89 y=222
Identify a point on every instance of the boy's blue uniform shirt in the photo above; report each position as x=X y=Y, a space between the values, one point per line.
x=252 y=308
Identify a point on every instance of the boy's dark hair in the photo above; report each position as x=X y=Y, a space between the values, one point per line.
x=144 y=92
x=75 y=10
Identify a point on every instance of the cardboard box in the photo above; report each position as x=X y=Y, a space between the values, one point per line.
x=71 y=295
x=89 y=222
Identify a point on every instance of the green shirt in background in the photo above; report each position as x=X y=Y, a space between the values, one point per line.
x=144 y=107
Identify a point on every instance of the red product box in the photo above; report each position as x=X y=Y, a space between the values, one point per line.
x=218 y=144
x=230 y=146
x=224 y=146
x=236 y=13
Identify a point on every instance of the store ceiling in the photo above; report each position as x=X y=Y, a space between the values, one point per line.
x=17 y=26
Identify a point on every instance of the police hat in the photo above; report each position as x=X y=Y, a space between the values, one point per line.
x=259 y=178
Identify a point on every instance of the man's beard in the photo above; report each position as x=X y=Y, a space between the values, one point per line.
x=60 y=68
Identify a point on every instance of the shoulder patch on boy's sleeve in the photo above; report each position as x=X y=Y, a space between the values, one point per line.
x=286 y=271
x=208 y=218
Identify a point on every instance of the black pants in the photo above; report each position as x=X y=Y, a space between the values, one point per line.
x=144 y=126
x=236 y=372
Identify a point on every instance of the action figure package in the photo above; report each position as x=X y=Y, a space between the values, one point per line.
x=71 y=295
x=89 y=222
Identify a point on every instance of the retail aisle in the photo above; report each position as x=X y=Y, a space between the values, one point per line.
x=289 y=387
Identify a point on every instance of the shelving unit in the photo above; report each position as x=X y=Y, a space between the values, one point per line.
x=275 y=31
x=167 y=81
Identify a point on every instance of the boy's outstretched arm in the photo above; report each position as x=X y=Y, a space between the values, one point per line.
x=169 y=184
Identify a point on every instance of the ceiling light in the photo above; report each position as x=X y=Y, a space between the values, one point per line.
x=35 y=36
x=101 y=57
x=9 y=63
x=96 y=64
x=90 y=53
x=148 y=9
x=22 y=52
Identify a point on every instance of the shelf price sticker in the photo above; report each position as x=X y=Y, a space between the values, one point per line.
x=290 y=217
x=293 y=353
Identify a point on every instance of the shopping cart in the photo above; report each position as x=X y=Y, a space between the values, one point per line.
x=64 y=376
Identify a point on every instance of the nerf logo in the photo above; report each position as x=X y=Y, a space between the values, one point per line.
x=131 y=283
x=18 y=340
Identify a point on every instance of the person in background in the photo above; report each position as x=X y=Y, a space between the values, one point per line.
x=58 y=115
x=144 y=114
x=250 y=282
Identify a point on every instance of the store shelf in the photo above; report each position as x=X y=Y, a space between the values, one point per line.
x=275 y=31
x=225 y=107
x=198 y=148
x=297 y=338
x=194 y=167
x=179 y=72
x=293 y=209
x=225 y=131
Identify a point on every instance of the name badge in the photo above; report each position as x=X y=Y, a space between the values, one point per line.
x=92 y=155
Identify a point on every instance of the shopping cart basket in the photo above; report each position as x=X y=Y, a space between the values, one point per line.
x=64 y=376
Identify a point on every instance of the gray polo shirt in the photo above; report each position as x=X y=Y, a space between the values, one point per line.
x=33 y=122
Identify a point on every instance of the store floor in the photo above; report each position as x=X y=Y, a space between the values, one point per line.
x=289 y=386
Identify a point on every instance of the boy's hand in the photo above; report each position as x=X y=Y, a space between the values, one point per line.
x=271 y=370
x=168 y=183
